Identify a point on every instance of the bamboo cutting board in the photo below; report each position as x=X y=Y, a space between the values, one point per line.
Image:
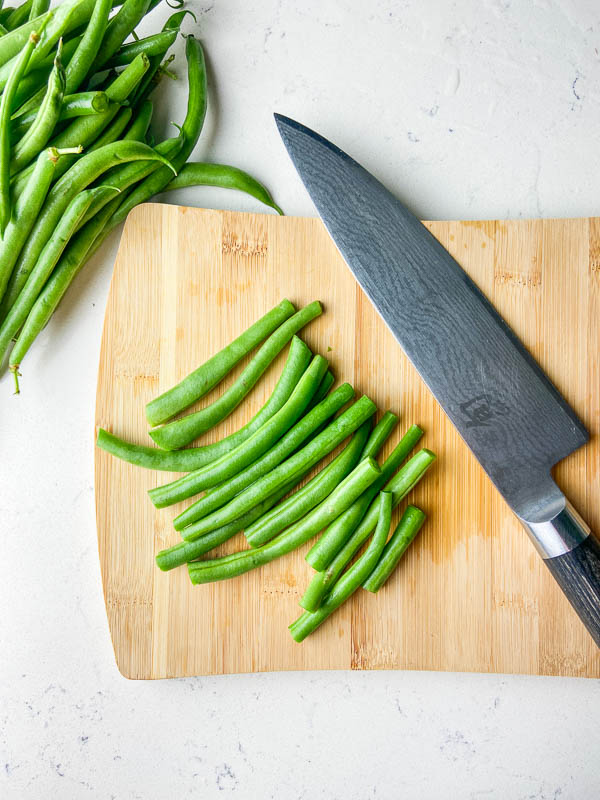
x=471 y=593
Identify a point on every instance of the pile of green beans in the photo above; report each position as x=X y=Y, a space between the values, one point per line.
x=246 y=476
x=75 y=144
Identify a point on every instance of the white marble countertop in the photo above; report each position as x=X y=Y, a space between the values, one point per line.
x=469 y=109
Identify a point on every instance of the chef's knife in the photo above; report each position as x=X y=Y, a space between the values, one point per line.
x=505 y=408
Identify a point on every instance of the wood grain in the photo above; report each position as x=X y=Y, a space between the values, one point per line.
x=471 y=594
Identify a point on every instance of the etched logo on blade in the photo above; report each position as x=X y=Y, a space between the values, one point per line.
x=481 y=410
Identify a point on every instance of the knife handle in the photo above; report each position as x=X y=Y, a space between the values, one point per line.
x=572 y=554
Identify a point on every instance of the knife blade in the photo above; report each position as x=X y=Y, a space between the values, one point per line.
x=505 y=408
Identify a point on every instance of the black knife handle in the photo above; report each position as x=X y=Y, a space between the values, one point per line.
x=572 y=554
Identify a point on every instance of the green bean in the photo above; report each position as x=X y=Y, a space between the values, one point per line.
x=19 y=16
x=25 y=213
x=3 y=30
x=408 y=527
x=316 y=490
x=198 y=173
x=208 y=375
x=272 y=479
x=380 y=434
x=238 y=563
x=249 y=451
x=195 y=457
x=410 y=474
x=89 y=167
x=82 y=104
x=49 y=256
x=183 y=552
x=78 y=251
x=118 y=29
x=41 y=126
x=32 y=88
x=323 y=552
x=87 y=50
x=5 y=110
x=350 y=580
x=190 y=131
x=38 y=7
x=323 y=390
x=114 y=130
x=157 y=44
x=176 y=434
x=139 y=127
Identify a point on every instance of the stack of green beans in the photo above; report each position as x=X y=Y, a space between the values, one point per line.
x=238 y=484
x=76 y=149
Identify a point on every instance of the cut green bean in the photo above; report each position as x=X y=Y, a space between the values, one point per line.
x=351 y=580
x=87 y=50
x=89 y=167
x=198 y=173
x=249 y=451
x=380 y=434
x=410 y=524
x=311 y=454
x=52 y=251
x=195 y=457
x=208 y=375
x=316 y=490
x=16 y=74
x=40 y=128
x=154 y=45
x=323 y=390
x=343 y=495
x=174 y=435
x=323 y=552
x=82 y=104
x=410 y=474
x=183 y=552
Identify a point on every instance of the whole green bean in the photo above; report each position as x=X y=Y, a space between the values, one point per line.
x=190 y=131
x=316 y=490
x=249 y=451
x=81 y=104
x=324 y=550
x=293 y=440
x=40 y=128
x=183 y=552
x=176 y=434
x=380 y=434
x=19 y=16
x=410 y=474
x=195 y=457
x=342 y=496
x=351 y=580
x=410 y=524
x=310 y=455
x=86 y=52
x=5 y=110
x=157 y=44
x=139 y=127
x=52 y=251
x=74 y=257
x=118 y=29
x=208 y=375
x=25 y=213
x=38 y=7
x=89 y=167
x=198 y=173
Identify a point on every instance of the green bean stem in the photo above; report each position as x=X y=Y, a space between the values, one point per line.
x=270 y=481
x=410 y=524
x=208 y=375
x=40 y=128
x=195 y=457
x=316 y=490
x=321 y=583
x=343 y=495
x=351 y=580
x=249 y=451
x=87 y=169
x=198 y=173
x=17 y=72
x=324 y=550
x=176 y=434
